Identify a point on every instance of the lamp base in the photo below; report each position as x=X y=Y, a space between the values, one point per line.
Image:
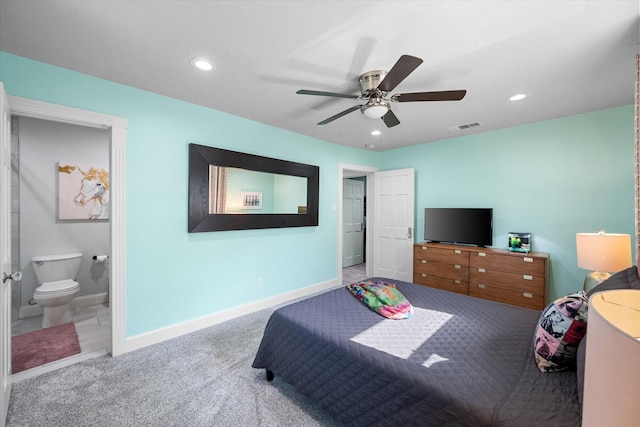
x=594 y=278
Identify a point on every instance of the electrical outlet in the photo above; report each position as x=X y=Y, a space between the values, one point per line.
x=259 y=284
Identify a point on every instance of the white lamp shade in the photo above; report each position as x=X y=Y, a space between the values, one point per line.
x=612 y=360
x=376 y=111
x=606 y=252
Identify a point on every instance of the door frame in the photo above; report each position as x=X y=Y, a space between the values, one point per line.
x=117 y=126
x=346 y=170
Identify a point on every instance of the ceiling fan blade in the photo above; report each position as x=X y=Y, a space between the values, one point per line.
x=445 y=95
x=321 y=93
x=390 y=119
x=337 y=116
x=405 y=66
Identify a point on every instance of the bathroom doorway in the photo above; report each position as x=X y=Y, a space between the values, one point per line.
x=116 y=128
x=39 y=149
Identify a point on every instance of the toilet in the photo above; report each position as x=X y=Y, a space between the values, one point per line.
x=56 y=276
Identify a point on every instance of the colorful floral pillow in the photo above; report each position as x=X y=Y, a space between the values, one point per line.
x=560 y=329
x=383 y=298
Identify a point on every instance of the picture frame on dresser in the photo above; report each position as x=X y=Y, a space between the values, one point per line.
x=519 y=242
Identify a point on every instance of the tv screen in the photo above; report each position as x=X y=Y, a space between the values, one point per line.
x=467 y=226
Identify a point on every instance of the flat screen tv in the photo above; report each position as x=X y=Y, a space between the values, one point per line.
x=466 y=226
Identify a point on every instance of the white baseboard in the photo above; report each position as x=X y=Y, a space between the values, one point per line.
x=78 y=302
x=159 y=335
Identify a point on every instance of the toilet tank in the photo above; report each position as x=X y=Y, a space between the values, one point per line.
x=49 y=268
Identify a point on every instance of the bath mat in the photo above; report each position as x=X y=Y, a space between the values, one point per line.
x=43 y=346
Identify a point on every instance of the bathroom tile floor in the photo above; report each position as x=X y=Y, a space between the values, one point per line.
x=93 y=325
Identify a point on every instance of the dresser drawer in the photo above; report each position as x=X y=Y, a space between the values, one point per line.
x=519 y=264
x=508 y=296
x=518 y=282
x=490 y=273
x=447 y=256
x=449 y=271
x=452 y=285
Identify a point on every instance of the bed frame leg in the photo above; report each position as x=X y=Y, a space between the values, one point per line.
x=269 y=375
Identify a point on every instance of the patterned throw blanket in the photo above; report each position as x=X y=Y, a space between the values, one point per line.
x=383 y=298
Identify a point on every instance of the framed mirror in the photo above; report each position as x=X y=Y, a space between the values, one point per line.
x=229 y=190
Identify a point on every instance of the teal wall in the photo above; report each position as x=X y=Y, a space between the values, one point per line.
x=552 y=179
x=173 y=276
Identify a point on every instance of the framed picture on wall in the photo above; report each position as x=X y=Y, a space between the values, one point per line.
x=83 y=192
x=520 y=242
x=251 y=199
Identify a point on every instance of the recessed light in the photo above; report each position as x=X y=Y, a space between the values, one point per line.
x=203 y=64
x=517 y=97
x=375 y=132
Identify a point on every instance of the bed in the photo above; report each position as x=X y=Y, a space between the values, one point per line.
x=458 y=361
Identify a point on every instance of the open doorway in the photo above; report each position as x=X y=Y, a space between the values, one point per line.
x=116 y=127
x=389 y=220
x=355 y=214
x=354 y=230
x=41 y=228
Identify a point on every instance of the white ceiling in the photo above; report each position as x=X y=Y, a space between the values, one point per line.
x=569 y=56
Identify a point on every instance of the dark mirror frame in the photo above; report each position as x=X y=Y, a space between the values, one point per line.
x=200 y=220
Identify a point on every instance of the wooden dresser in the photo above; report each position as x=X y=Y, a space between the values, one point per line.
x=494 y=274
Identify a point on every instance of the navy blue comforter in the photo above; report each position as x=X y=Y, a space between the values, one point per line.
x=459 y=361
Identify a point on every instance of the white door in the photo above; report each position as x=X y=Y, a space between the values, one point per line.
x=5 y=255
x=352 y=222
x=393 y=217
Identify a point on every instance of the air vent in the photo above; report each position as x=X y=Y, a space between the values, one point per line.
x=463 y=127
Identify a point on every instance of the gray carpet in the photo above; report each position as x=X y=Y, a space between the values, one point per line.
x=201 y=379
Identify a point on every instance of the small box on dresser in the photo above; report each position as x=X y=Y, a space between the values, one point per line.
x=494 y=274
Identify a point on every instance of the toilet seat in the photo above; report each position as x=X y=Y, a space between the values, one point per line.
x=57 y=287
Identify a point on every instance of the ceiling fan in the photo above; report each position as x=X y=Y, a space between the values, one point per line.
x=375 y=87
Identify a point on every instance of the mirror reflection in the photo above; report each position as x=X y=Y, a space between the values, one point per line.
x=230 y=190
x=241 y=191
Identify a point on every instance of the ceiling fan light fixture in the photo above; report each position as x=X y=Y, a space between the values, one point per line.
x=375 y=111
x=375 y=87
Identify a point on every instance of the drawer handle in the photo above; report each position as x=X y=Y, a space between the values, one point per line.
x=481 y=286
x=527 y=259
x=424 y=261
x=527 y=295
x=527 y=277
x=481 y=270
x=457 y=251
x=458 y=266
x=424 y=248
x=423 y=275
x=457 y=282
x=482 y=254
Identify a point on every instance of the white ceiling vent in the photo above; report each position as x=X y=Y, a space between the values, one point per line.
x=463 y=127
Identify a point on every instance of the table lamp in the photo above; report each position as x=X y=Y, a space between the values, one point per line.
x=612 y=368
x=602 y=253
